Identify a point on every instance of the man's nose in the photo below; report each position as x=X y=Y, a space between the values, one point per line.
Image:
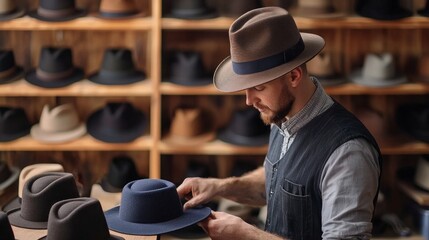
x=249 y=97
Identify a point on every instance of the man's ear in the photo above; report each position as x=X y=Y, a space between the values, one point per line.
x=296 y=76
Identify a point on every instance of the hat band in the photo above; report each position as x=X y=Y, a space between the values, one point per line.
x=47 y=76
x=8 y=72
x=272 y=61
x=55 y=13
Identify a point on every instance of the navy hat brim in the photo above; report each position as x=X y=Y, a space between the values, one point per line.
x=13 y=15
x=227 y=136
x=19 y=73
x=188 y=218
x=134 y=77
x=32 y=78
x=77 y=14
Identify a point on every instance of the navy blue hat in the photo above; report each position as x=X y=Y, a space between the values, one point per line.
x=187 y=69
x=57 y=11
x=9 y=71
x=13 y=123
x=152 y=207
x=192 y=9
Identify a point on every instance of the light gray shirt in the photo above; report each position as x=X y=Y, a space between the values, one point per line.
x=349 y=179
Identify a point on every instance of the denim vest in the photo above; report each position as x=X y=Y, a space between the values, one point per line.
x=292 y=183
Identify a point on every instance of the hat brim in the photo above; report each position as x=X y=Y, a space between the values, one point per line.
x=16 y=220
x=14 y=136
x=57 y=137
x=226 y=80
x=11 y=179
x=107 y=200
x=358 y=78
x=100 y=132
x=77 y=14
x=186 y=141
x=227 y=136
x=32 y=78
x=114 y=80
x=189 y=217
x=12 y=205
x=19 y=73
x=13 y=15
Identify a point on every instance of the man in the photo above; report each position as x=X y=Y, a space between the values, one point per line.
x=321 y=175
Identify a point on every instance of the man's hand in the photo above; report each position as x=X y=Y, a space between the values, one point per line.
x=198 y=190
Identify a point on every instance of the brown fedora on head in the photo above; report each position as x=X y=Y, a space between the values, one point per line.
x=118 y=9
x=9 y=10
x=265 y=44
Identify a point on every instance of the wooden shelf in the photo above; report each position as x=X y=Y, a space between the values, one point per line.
x=220 y=23
x=174 y=89
x=402 y=89
x=86 y=143
x=84 y=88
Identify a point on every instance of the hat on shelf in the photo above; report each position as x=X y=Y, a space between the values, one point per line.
x=116 y=122
x=118 y=9
x=381 y=9
x=9 y=71
x=55 y=69
x=190 y=126
x=316 y=9
x=27 y=173
x=39 y=194
x=192 y=9
x=8 y=176
x=245 y=128
x=152 y=207
x=57 y=11
x=265 y=44
x=5 y=228
x=423 y=68
x=322 y=67
x=78 y=218
x=413 y=119
x=58 y=125
x=378 y=71
x=237 y=8
x=425 y=10
x=187 y=69
x=13 y=123
x=421 y=177
x=117 y=68
x=10 y=10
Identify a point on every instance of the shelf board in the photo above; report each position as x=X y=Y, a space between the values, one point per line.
x=83 y=88
x=175 y=89
x=220 y=23
x=402 y=89
x=27 y=23
x=85 y=143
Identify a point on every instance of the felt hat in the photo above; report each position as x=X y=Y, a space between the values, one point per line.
x=13 y=123
x=425 y=10
x=117 y=9
x=58 y=125
x=122 y=170
x=381 y=9
x=316 y=9
x=10 y=10
x=413 y=119
x=421 y=177
x=152 y=207
x=265 y=44
x=55 y=69
x=117 y=68
x=8 y=176
x=116 y=122
x=190 y=126
x=9 y=71
x=423 y=68
x=187 y=68
x=6 y=232
x=378 y=71
x=245 y=128
x=27 y=173
x=192 y=9
x=39 y=194
x=57 y=11
x=237 y=8
x=322 y=67
x=78 y=218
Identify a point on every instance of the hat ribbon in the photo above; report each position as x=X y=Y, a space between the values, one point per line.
x=47 y=76
x=269 y=62
x=55 y=13
x=8 y=72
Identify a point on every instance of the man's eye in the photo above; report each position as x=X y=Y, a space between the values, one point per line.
x=259 y=88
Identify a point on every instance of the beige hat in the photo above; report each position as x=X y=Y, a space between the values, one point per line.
x=60 y=124
x=316 y=9
x=265 y=44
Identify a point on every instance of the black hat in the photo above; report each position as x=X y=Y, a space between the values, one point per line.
x=117 y=68
x=9 y=10
x=116 y=122
x=187 y=69
x=78 y=218
x=414 y=119
x=55 y=69
x=192 y=9
x=246 y=128
x=6 y=232
x=424 y=11
x=122 y=170
x=9 y=71
x=13 y=123
x=57 y=11
x=382 y=9
x=8 y=176
x=237 y=8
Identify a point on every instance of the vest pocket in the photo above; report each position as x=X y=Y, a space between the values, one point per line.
x=296 y=210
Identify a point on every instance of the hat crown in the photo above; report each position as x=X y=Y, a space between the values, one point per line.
x=321 y=65
x=57 y=5
x=36 y=169
x=119 y=115
x=5 y=228
x=55 y=60
x=59 y=119
x=379 y=66
x=118 y=60
x=247 y=122
x=7 y=60
x=122 y=170
x=187 y=66
x=13 y=120
x=117 y=6
x=187 y=122
x=7 y=6
x=272 y=30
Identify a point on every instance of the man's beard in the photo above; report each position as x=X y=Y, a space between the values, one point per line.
x=279 y=116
